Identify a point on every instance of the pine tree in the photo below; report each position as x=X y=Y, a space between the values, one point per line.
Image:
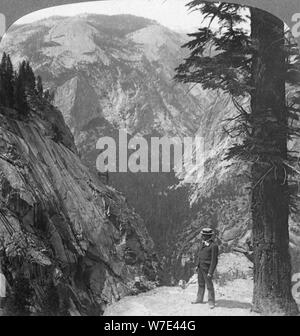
x=39 y=86
x=29 y=77
x=17 y=87
x=2 y=95
x=3 y=86
x=20 y=99
x=22 y=72
x=253 y=63
x=7 y=81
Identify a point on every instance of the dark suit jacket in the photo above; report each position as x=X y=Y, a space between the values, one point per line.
x=207 y=257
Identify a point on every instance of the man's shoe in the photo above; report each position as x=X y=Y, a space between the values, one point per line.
x=197 y=302
x=211 y=305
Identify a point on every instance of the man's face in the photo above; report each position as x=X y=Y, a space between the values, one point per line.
x=206 y=237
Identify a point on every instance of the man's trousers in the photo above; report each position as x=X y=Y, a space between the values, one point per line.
x=204 y=280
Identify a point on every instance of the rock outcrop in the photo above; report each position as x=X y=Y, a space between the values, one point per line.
x=60 y=227
x=110 y=73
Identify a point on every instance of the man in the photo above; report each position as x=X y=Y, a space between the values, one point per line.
x=206 y=263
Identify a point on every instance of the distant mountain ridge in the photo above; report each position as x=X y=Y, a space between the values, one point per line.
x=111 y=57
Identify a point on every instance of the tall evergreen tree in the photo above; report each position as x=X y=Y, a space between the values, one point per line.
x=7 y=80
x=29 y=77
x=253 y=62
x=39 y=86
x=2 y=95
x=20 y=99
x=17 y=87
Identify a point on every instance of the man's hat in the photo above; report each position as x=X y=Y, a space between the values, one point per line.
x=207 y=232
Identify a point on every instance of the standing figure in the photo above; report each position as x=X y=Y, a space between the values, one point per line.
x=206 y=263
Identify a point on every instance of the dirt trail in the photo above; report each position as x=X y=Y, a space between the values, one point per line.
x=233 y=299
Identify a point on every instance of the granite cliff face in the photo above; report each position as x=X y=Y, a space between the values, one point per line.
x=111 y=73
x=60 y=225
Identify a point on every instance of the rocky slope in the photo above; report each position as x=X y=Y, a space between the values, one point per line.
x=112 y=73
x=60 y=226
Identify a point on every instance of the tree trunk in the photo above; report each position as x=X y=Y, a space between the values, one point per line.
x=270 y=197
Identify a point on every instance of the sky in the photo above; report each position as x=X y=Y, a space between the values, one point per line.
x=170 y=13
